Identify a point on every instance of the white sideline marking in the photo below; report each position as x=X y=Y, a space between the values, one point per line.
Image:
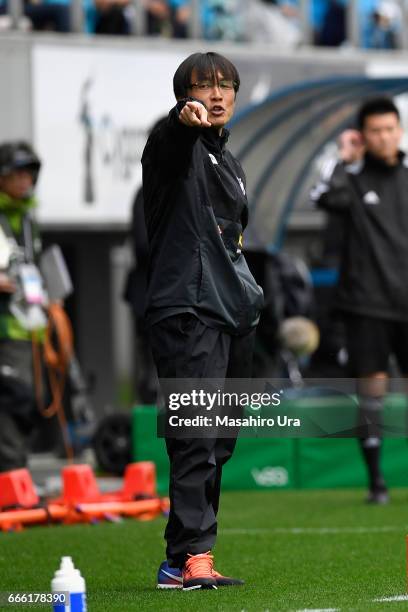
x=379 y=600
x=395 y=598
x=313 y=530
x=319 y=610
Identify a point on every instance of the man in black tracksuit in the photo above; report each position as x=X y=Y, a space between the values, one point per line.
x=203 y=304
x=372 y=197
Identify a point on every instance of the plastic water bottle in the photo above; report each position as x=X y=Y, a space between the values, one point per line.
x=67 y=578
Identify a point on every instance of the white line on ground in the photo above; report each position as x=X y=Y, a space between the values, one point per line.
x=395 y=598
x=379 y=600
x=312 y=530
x=319 y=610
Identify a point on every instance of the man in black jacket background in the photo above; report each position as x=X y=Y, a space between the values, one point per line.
x=371 y=196
x=203 y=303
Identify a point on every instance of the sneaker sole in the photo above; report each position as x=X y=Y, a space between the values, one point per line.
x=200 y=586
x=169 y=586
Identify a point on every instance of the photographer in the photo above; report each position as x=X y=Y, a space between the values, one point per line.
x=19 y=169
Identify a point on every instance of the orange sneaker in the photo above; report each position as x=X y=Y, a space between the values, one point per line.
x=198 y=572
x=172 y=578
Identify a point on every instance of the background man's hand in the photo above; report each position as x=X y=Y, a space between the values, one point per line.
x=6 y=284
x=194 y=114
x=351 y=146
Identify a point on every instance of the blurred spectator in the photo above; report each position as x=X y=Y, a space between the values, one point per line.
x=327 y=18
x=157 y=12
x=350 y=149
x=269 y=23
x=112 y=17
x=135 y=295
x=48 y=15
x=385 y=26
x=179 y=17
x=287 y=294
x=371 y=295
x=223 y=19
x=168 y=17
x=19 y=169
x=318 y=10
x=330 y=359
x=44 y=14
x=54 y=15
x=89 y=12
x=333 y=32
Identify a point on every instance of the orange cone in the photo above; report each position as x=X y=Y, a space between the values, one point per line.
x=139 y=480
x=79 y=485
x=17 y=489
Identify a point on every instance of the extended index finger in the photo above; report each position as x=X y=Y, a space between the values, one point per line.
x=203 y=115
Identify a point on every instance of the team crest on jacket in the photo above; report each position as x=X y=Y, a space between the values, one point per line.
x=241 y=184
x=371 y=198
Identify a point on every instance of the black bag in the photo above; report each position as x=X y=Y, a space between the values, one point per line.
x=292 y=291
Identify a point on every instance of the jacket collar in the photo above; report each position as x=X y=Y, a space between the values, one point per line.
x=381 y=165
x=213 y=141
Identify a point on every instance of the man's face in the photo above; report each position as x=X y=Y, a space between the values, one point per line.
x=219 y=98
x=382 y=135
x=17 y=184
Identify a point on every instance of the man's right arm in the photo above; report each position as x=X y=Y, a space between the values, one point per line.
x=170 y=148
x=333 y=192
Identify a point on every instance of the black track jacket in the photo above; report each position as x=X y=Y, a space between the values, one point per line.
x=195 y=210
x=372 y=198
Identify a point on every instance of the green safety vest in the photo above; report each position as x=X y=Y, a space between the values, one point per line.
x=14 y=211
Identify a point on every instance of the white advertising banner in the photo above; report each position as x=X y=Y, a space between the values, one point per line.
x=92 y=108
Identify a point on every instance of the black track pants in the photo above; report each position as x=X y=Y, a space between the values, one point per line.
x=184 y=347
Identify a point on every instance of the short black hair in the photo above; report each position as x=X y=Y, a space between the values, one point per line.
x=207 y=65
x=375 y=106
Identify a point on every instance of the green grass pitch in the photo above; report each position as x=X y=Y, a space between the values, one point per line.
x=296 y=550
